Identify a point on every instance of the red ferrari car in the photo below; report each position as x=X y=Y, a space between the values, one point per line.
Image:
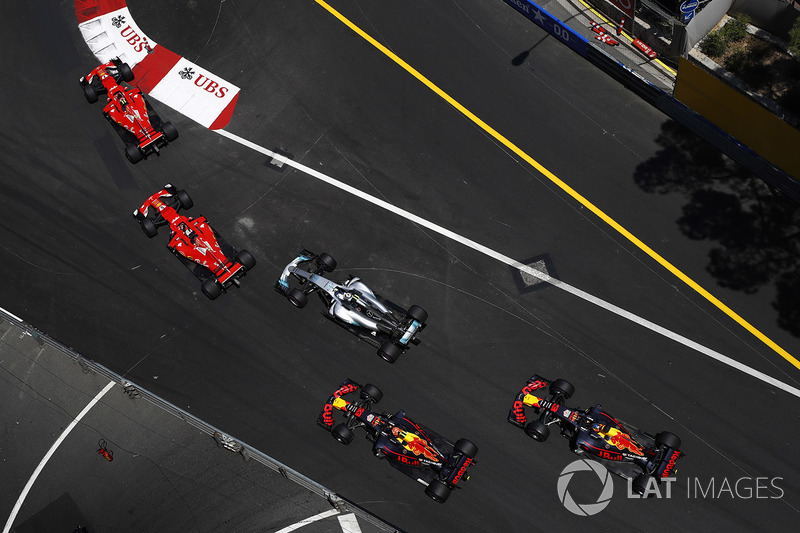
x=128 y=111
x=198 y=246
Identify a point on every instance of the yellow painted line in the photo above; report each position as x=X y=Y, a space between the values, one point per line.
x=605 y=19
x=566 y=188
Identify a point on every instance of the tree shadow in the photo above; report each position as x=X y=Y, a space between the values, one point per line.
x=755 y=228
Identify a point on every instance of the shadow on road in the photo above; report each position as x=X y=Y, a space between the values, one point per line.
x=755 y=228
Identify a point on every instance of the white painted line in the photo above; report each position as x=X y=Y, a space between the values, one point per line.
x=49 y=454
x=349 y=523
x=308 y=520
x=519 y=266
x=12 y=315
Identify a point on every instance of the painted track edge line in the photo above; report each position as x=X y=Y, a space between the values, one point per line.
x=566 y=188
x=515 y=264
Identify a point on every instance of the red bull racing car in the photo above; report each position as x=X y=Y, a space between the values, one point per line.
x=353 y=305
x=193 y=241
x=411 y=448
x=128 y=111
x=623 y=450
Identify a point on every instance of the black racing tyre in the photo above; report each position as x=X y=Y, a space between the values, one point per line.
x=149 y=227
x=537 y=431
x=297 y=297
x=343 y=434
x=125 y=72
x=133 y=153
x=211 y=289
x=89 y=93
x=670 y=440
x=417 y=313
x=184 y=199
x=640 y=484
x=438 y=491
x=466 y=447
x=371 y=392
x=390 y=352
x=245 y=259
x=562 y=387
x=169 y=131
x=328 y=262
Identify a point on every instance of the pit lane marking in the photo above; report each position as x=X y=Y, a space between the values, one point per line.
x=515 y=264
x=563 y=186
x=50 y=453
x=310 y=520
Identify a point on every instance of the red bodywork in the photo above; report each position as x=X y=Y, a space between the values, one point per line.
x=193 y=238
x=127 y=107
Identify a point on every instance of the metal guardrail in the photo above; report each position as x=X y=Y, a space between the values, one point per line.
x=230 y=443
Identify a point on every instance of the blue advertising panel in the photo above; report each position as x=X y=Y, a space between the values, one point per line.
x=551 y=25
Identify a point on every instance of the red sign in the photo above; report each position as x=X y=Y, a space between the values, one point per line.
x=626 y=6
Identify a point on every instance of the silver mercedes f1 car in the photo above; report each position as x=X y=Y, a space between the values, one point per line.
x=352 y=305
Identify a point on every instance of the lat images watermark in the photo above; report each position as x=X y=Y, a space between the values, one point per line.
x=743 y=488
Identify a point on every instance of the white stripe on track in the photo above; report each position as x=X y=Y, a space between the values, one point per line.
x=349 y=523
x=50 y=453
x=516 y=264
x=308 y=520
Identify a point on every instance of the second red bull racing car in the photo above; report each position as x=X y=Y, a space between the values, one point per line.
x=128 y=111
x=353 y=305
x=411 y=448
x=193 y=241
x=623 y=450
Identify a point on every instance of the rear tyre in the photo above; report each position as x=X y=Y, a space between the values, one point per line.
x=328 y=262
x=465 y=447
x=169 y=131
x=390 y=352
x=417 y=313
x=246 y=260
x=562 y=387
x=149 y=227
x=343 y=434
x=297 y=298
x=125 y=72
x=371 y=392
x=133 y=153
x=184 y=199
x=89 y=93
x=211 y=289
x=537 y=431
x=438 y=491
x=640 y=484
x=670 y=440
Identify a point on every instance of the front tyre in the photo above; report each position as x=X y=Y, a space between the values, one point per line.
x=297 y=298
x=537 y=431
x=438 y=491
x=343 y=434
x=371 y=392
x=389 y=352
x=125 y=72
x=328 y=263
x=89 y=93
x=562 y=387
x=640 y=483
x=669 y=440
x=149 y=227
x=184 y=199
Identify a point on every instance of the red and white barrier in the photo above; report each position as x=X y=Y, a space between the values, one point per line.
x=110 y=31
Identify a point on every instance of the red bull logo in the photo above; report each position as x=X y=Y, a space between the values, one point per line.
x=671 y=463
x=622 y=441
x=462 y=470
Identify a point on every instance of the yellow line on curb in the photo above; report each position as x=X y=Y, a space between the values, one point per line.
x=566 y=188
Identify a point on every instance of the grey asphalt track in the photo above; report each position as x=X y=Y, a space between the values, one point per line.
x=77 y=266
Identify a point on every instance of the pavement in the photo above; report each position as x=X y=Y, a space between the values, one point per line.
x=132 y=464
